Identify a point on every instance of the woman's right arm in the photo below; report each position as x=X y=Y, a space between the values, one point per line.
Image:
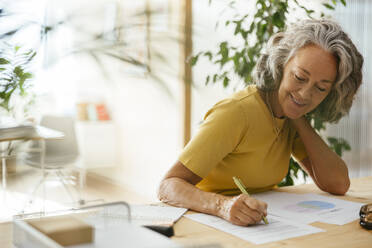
x=178 y=189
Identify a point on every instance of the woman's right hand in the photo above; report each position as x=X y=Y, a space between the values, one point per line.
x=242 y=210
x=178 y=189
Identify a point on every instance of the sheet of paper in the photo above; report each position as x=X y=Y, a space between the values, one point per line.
x=155 y=215
x=308 y=208
x=334 y=211
x=277 y=229
x=278 y=203
x=140 y=215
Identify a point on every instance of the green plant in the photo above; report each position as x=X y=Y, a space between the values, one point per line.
x=14 y=74
x=254 y=32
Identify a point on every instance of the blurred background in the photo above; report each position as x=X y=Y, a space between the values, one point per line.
x=122 y=69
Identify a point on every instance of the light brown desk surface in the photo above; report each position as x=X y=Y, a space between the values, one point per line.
x=350 y=235
x=192 y=233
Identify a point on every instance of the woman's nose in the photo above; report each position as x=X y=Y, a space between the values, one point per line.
x=306 y=92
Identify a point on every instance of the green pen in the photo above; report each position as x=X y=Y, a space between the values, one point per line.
x=242 y=188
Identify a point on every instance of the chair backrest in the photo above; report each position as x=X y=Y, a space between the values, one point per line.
x=66 y=147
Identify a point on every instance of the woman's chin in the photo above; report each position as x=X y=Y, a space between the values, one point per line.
x=293 y=112
x=294 y=116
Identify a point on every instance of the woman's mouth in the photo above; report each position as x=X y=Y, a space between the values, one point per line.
x=297 y=102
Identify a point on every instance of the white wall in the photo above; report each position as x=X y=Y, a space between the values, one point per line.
x=146 y=116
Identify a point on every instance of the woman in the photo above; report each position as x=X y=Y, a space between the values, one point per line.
x=313 y=67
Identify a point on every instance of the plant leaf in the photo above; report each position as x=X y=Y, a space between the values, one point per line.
x=3 y=61
x=209 y=55
x=207 y=79
x=194 y=60
x=226 y=82
x=328 y=6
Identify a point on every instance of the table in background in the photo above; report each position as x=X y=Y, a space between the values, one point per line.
x=40 y=134
x=11 y=145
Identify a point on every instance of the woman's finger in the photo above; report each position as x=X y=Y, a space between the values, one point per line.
x=244 y=220
x=259 y=206
x=253 y=214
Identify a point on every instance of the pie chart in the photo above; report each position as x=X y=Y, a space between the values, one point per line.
x=310 y=206
x=319 y=205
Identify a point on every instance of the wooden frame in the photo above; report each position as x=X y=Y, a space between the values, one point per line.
x=186 y=71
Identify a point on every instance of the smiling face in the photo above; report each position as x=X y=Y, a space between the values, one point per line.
x=307 y=80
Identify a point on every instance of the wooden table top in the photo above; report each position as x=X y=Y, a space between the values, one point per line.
x=351 y=235
x=192 y=233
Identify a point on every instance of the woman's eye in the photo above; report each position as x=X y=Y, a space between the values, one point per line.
x=299 y=78
x=320 y=89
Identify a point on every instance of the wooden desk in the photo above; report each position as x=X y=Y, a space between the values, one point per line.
x=350 y=235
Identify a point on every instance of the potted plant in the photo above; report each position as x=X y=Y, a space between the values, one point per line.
x=15 y=98
x=15 y=82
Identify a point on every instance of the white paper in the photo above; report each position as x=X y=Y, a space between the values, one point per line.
x=342 y=213
x=153 y=215
x=140 y=215
x=277 y=229
x=308 y=208
x=278 y=202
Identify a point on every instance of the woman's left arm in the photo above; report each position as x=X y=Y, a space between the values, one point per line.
x=325 y=167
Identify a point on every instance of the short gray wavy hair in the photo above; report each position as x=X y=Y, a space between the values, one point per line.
x=328 y=35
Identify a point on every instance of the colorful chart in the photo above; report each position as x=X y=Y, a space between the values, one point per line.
x=310 y=206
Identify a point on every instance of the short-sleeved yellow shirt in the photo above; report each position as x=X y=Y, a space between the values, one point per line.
x=237 y=138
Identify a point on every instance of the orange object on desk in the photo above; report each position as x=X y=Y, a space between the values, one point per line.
x=65 y=230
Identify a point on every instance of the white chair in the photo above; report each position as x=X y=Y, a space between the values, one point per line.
x=59 y=154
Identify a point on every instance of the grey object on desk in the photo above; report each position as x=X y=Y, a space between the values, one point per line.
x=163 y=230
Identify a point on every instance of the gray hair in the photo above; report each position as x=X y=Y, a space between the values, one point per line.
x=328 y=35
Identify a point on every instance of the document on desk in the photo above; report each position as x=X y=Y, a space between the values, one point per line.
x=335 y=211
x=140 y=215
x=155 y=215
x=308 y=208
x=277 y=229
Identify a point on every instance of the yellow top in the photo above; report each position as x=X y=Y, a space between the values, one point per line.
x=238 y=138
